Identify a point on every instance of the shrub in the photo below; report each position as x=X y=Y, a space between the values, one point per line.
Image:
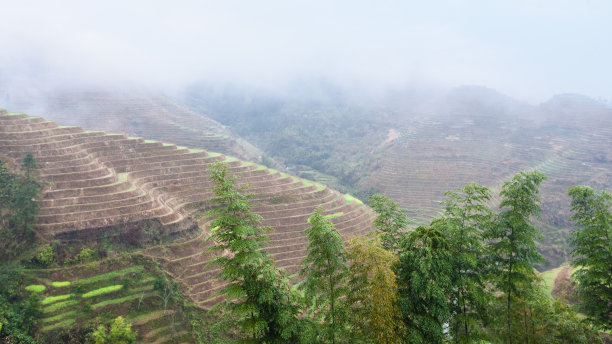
x=46 y=256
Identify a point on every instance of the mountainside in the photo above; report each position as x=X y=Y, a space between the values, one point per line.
x=135 y=113
x=119 y=194
x=415 y=146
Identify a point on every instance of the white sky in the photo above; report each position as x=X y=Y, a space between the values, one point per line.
x=527 y=49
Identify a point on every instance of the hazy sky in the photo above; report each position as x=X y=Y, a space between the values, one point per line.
x=527 y=49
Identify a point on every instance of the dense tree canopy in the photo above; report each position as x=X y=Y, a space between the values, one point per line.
x=592 y=251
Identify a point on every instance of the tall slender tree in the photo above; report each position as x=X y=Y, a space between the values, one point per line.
x=375 y=316
x=465 y=218
x=424 y=278
x=257 y=296
x=592 y=251
x=326 y=273
x=513 y=238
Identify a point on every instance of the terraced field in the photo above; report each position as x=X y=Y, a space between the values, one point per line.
x=434 y=155
x=97 y=292
x=151 y=116
x=100 y=185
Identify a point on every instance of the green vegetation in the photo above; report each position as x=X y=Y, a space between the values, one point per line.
x=109 y=275
x=334 y=215
x=326 y=274
x=465 y=218
x=60 y=284
x=264 y=310
x=592 y=252
x=19 y=206
x=36 y=288
x=120 y=331
x=51 y=299
x=101 y=291
x=59 y=305
x=514 y=237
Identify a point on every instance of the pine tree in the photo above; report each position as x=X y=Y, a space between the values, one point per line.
x=513 y=238
x=375 y=316
x=325 y=272
x=257 y=297
x=592 y=252
x=465 y=218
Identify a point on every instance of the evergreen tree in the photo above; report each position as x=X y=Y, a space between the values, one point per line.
x=325 y=272
x=465 y=218
x=258 y=298
x=513 y=236
x=375 y=316
x=592 y=252
x=424 y=279
x=392 y=221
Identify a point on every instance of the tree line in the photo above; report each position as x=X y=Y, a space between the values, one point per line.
x=467 y=277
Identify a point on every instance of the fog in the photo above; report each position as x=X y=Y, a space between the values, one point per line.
x=530 y=50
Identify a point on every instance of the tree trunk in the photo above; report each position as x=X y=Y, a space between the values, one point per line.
x=508 y=310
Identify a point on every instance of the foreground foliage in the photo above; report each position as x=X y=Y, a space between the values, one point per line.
x=374 y=313
x=592 y=252
x=258 y=299
x=325 y=272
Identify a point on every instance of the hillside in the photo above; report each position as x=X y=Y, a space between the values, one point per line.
x=135 y=113
x=132 y=200
x=413 y=146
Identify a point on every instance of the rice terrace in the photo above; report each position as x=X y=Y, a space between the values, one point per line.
x=305 y=172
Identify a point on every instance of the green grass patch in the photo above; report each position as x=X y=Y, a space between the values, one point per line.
x=59 y=317
x=122 y=177
x=101 y=291
x=36 y=288
x=112 y=274
x=229 y=158
x=59 y=305
x=213 y=154
x=60 y=324
x=350 y=199
x=60 y=284
x=548 y=277
x=120 y=300
x=334 y=215
x=51 y=299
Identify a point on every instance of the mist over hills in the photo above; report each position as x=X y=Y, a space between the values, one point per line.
x=415 y=146
x=412 y=144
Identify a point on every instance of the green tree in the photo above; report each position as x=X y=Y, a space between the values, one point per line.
x=19 y=309
x=257 y=296
x=392 y=221
x=465 y=218
x=424 y=279
x=592 y=252
x=120 y=332
x=513 y=238
x=375 y=316
x=29 y=165
x=325 y=272
x=19 y=208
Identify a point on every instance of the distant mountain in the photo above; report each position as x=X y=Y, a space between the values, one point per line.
x=413 y=145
